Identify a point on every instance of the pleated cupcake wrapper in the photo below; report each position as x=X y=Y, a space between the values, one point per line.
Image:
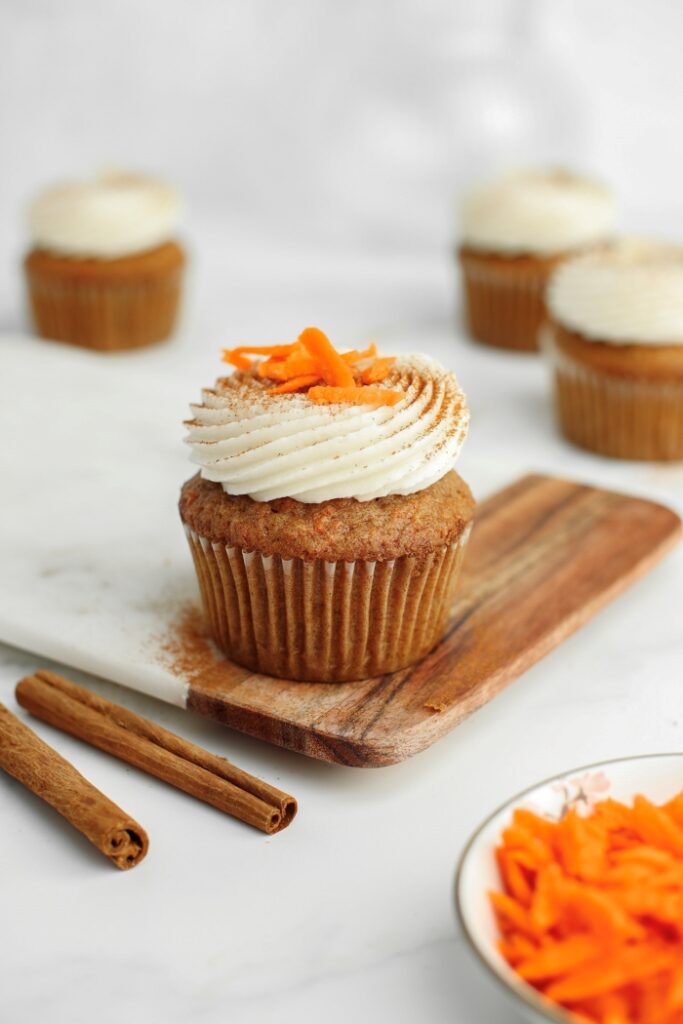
x=324 y=621
x=502 y=308
x=616 y=416
x=106 y=315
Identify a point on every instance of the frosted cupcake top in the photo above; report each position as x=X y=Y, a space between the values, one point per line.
x=631 y=293
x=108 y=216
x=313 y=424
x=537 y=212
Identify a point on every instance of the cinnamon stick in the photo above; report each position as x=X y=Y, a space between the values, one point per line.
x=155 y=750
x=46 y=773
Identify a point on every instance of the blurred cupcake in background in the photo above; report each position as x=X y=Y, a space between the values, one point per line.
x=514 y=232
x=615 y=339
x=105 y=268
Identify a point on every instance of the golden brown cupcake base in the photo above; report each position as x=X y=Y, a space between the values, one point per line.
x=328 y=618
x=504 y=304
x=334 y=531
x=106 y=304
x=624 y=401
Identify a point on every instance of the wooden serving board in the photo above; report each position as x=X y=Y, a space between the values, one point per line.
x=545 y=555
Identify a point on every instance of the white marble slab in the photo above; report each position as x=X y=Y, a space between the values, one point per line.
x=347 y=914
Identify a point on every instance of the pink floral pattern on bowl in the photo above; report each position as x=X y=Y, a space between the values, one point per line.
x=582 y=792
x=579 y=793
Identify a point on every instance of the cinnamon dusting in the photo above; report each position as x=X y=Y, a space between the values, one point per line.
x=188 y=652
x=186 y=649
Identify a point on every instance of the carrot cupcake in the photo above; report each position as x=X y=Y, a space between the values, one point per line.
x=515 y=231
x=105 y=269
x=326 y=523
x=615 y=339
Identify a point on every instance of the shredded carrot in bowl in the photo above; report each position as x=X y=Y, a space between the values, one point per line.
x=312 y=365
x=591 y=912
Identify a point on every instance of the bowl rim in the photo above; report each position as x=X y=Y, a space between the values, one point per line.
x=522 y=990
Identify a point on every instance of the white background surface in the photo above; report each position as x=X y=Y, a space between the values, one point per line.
x=319 y=146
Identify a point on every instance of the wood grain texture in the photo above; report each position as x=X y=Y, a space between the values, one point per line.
x=545 y=555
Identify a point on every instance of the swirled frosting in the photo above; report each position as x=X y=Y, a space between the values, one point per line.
x=629 y=293
x=109 y=216
x=538 y=212
x=277 y=446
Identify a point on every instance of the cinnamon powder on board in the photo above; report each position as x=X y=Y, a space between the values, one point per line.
x=186 y=649
x=188 y=652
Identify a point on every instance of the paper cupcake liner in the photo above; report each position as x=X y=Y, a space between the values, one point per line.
x=621 y=417
x=504 y=305
x=324 y=621
x=105 y=315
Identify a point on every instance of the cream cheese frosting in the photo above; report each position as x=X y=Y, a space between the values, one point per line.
x=109 y=216
x=538 y=212
x=277 y=446
x=631 y=292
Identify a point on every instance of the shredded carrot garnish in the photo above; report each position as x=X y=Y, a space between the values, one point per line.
x=377 y=370
x=312 y=364
x=294 y=384
x=236 y=359
x=592 y=909
x=354 y=356
x=334 y=370
x=237 y=356
x=262 y=350
x=298 y=364
x=358 y=396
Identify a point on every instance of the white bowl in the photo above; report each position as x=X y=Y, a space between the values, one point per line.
x=657 y=776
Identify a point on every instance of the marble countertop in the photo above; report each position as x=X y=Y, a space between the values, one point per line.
x=348 y=913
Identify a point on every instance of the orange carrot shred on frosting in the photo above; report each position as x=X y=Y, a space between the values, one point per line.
x=377 y=370
x=299 y=364
x=236 y=359
x=354 y=356
x=294 y=384
x=260 y=350
x=334 y=370
x=359 y=396
x=312 y=364
x=591 y=912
